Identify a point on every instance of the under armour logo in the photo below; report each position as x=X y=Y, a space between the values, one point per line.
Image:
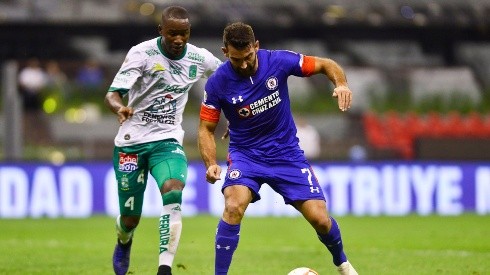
x=225 y=247
x=314 y=189
x=235 y=100
x=331 y=245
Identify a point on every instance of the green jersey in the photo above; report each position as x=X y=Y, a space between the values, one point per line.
x=157 y=88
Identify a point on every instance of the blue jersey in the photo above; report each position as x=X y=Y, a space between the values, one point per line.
x=258 y=107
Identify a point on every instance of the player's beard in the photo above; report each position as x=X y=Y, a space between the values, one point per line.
x=250 y=70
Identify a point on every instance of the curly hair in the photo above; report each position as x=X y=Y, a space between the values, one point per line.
x=239 y=35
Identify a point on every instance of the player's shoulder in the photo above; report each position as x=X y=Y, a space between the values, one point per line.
x=282 y=54
x=149 y=47
x=198 y=53
x=223 y=72
x=147 y=44
x=193 y=48
x=221 y=77
x=281 y=59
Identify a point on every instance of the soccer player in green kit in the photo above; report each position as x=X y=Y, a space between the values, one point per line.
x=156 y=77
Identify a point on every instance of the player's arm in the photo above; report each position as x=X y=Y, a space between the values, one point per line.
x=113 y=100
x=317 y=65
x=129 y=73
x=207 y=149
x=209 y=118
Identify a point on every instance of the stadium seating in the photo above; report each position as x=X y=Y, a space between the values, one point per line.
x=367 y=83
x=447 y=83
x=398 y=131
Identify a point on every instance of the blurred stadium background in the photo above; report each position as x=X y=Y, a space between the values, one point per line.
x=419 y=71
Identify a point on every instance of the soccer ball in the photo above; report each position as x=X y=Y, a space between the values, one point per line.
x=303 y=271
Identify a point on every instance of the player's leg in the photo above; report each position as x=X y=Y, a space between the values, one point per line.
x=237 y=199
x=240 y=188
x=122 y=251
x=328 y=231
x=169 y=168
x=131 y=179
x=315 y=212
x=299 y=187
x=170 y=224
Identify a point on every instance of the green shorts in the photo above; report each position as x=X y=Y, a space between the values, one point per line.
x=164 y=160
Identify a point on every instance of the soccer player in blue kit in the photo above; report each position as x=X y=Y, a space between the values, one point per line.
x=251 y=90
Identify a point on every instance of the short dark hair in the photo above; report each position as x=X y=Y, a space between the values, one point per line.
x=174 y=12
x=239 y=35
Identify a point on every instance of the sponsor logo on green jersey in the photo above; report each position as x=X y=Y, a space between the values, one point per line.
x=196 y=57
x=152 y=52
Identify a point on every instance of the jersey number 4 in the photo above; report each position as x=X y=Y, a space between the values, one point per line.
x=130 y=203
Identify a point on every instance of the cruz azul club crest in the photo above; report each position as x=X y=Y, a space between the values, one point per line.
x=234 y=174
x=271 y=83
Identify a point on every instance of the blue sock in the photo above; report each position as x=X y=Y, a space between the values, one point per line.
x=227 y=237
x=333 y=241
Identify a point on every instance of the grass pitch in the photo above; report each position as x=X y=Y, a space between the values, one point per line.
x=375 y=245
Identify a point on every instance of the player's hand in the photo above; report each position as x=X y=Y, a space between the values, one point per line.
x=344 y=96
x=213 y=173
x=124 y=113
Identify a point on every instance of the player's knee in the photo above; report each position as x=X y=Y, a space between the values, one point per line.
x=171 y=184
x=234 y=211
x=321 y=225
x=173 y=196
x=130 y=222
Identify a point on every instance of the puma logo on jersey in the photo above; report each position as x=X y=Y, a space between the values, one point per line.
x=178 y=151
x=157 y=67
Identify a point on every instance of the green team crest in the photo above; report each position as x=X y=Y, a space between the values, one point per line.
x=192 y=71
